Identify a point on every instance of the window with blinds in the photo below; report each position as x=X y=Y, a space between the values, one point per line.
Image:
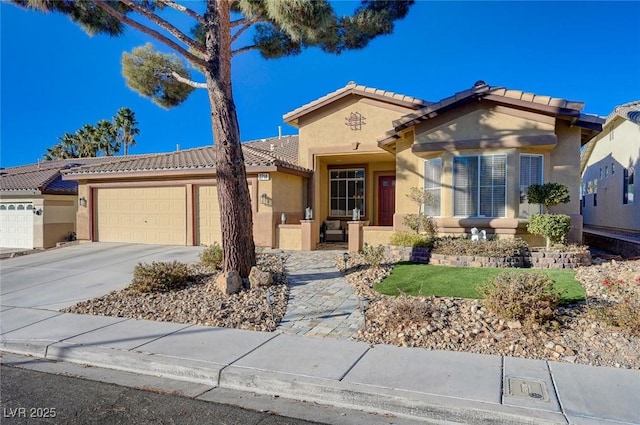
x=530 y=173
x=432 y=175
x=480 y=186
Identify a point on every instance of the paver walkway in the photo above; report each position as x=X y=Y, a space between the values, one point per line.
x=321 y=302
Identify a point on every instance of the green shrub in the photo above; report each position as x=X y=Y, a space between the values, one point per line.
x=554 y=227
x=548 y=194
x=528 y=297
x=421 y=223
x=373 y=256
x=159 y=277
x=212 y=256
x=414 y=240
x=490 y=248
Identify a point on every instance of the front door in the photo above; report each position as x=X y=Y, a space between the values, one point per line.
x=386 y=200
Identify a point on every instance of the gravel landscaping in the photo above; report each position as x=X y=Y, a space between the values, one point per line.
x=201 y=303
x=465 y=325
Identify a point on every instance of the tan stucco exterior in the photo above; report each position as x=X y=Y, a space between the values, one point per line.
x=387 y=136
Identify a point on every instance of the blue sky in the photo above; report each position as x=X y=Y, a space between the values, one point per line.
x=55 y=78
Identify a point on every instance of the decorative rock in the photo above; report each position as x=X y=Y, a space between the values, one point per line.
x=258 y=278
x=515 y=324
x=228 y=283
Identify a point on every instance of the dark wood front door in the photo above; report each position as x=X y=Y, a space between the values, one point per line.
x=386 y=200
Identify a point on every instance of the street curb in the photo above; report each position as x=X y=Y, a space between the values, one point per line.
x=298 y=387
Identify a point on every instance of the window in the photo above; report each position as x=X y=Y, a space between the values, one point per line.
x=347 y=192
x=600 y=173
x=530 y=173
x=479 y=184
x=613 y=168
x=432 y=174
x=627 y=186
x=606 y=171
x=595 y=199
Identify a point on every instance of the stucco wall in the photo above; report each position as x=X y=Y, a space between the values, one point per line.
x=557 y=142
x=290 y=236
x=620 y=150
x=58 y=218
x=376 y=235
x=325 y=131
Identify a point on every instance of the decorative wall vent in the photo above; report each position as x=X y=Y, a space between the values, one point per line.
x=355 y=121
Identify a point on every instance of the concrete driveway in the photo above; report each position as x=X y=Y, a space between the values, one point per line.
x=59 y=278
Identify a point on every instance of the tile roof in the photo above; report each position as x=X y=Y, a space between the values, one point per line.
x=258 y=153
x=353 y=88
x=629 y=111
x=548 y=104
x=44 y=176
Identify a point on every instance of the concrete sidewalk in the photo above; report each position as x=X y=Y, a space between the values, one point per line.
x=436 y=385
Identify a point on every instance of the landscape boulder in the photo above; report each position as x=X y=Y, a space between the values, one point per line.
x=259 y=278
x=229 y=283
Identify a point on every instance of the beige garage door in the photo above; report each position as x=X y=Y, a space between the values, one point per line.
x=155 y=215
x=207 y=216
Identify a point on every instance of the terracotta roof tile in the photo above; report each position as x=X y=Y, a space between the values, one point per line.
x=258 y=153
x=481 y=89
x=353 y=88
x=44 y=176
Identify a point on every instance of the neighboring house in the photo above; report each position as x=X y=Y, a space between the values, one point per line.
x=609 y=165
x=38 y=208
x=358 y=147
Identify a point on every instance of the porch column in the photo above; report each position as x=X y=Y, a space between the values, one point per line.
x=355 y=236
x=309 y=235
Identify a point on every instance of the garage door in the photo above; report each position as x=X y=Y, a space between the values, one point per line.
x=155 y=215
x=207 y=216
x=16 y=225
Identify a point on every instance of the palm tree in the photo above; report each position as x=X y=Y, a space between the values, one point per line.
x=87 y=141
x=125 y=125
x=107 y=138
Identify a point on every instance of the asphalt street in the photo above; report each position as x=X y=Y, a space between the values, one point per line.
x=32 y=397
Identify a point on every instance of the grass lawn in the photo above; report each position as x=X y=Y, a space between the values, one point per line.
x=443 y=281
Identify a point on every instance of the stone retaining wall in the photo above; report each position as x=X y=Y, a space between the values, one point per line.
x=534 y=259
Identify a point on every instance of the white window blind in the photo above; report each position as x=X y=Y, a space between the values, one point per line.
x=432 y=175
x=479 y=184
x=530 y=173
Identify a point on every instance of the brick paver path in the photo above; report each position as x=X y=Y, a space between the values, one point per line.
x=321 y=302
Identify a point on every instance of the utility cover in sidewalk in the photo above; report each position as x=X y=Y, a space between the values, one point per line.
x=527 y=388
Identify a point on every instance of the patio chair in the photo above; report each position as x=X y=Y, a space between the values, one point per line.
x=332 y=231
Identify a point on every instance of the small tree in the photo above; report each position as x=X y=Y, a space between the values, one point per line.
x=548 y=194
x=554 y=227
x=421 y=222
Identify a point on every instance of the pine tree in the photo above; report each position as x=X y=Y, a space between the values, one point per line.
x=280 y=28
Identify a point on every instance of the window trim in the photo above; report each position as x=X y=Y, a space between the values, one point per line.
x=349 y=167
x=438 y=187
x=541 y=156
x=506 y=183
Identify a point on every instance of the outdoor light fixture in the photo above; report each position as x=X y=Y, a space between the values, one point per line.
x=264 y=199
x=38 y=211
x=363 y=304
x=270 y=301
x=82 y=201
x=345 y=258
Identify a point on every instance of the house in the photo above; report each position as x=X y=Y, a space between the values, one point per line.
x=37 y=207
x=608 y=164
x=171 y=198
x=357 y=148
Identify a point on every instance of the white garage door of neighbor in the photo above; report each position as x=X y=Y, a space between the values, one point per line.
x=207 y=215
x=16 y=225
x=154 y=215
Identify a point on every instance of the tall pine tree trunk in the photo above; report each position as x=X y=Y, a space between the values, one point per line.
x=236 y=217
